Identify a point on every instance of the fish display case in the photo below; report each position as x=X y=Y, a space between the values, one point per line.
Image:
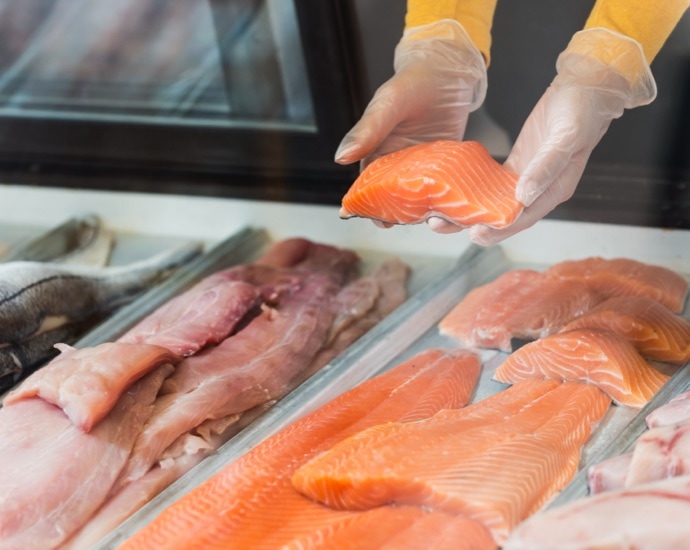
x=226 y=139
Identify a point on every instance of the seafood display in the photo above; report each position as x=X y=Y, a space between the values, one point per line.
x=458 y=181
x=251 y=503
x=278 y=399
x=210 y=360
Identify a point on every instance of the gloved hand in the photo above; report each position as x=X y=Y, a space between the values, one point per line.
x=440 y=76
x=599 y=74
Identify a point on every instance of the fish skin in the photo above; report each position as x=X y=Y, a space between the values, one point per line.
x=251 y=504
x=497 y=465
x=18 y=361
x=36 y=294
x=595 y=356
x=458 y=181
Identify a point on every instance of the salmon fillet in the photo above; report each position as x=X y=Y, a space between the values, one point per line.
x=596 y=356
x=251 y=502
x=520 y=303
x=655 y=331
x=458 y=181
x=496 y=461
x=398 y=528
x=626 y=277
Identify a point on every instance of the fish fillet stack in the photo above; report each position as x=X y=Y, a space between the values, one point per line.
x=592 y=320
x=92 y=436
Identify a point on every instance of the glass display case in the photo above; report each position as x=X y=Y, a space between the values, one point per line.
x=157 y=94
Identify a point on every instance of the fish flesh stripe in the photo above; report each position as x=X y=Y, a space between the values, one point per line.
x=655 y=331
x=458 y=181
x=250 y=503
x=596 y=356
x=497 y=461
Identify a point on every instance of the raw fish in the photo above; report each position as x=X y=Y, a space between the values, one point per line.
x=497 y=461
x=457 y=181
x=250 y=503
x=37 y=297
x=660 y=453
x=398 y=528
x=205 y=314
x=626 y=277
x=596 y=356
x=87 y=383
x=676 y=411
x=520 y=303
x=53 y=475
x=609 y=474
x=256 y=365
x=655 y=331
x=647 y=517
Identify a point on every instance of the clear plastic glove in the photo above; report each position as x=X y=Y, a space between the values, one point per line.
x=440 y=77
x=599 y=74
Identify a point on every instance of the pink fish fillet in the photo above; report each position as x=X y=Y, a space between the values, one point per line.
x=653 y=516
x=203 y=315
x=53 y=475
x=521 y=303
x=609 y=474
x=256 y=365
x=677 y=410
x=87 y=383
x=660 y=453
x=626 y=277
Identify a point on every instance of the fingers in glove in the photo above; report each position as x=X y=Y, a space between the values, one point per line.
x=439 y=225
x=380 y=117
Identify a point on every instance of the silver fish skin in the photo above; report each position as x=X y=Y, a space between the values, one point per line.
x=37 y=296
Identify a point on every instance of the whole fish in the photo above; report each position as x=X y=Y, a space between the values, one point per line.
x=39 y=297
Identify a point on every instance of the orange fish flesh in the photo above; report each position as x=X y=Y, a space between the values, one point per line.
x=458 y=181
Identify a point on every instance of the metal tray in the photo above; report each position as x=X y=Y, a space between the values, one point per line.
x=407 y=331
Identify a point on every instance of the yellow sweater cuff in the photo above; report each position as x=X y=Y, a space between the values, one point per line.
x=648 y=22
x=476 y=16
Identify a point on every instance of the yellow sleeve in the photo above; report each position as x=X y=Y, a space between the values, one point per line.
x=649 y=22
x=476 y=16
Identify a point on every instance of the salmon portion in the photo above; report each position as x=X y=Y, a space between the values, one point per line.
x=496 y=461
x=626 y=277
x=520 y=303
x=399 y=528
x=596 y=356
x=458 y=181
x=655 y=331
x=251 y=503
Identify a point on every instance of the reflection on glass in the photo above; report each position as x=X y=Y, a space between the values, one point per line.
x=200 y=62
